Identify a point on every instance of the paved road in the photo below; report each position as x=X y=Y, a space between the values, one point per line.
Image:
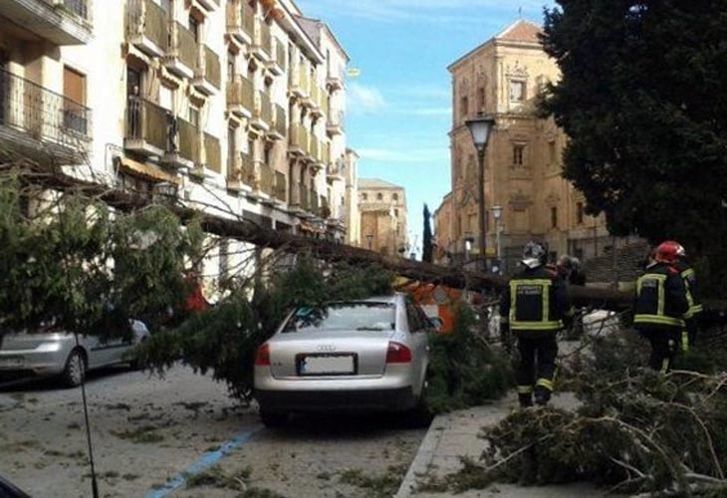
x=148 y=430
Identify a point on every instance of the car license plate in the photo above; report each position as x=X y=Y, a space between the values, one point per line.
x=327 y=365
x=11 y=362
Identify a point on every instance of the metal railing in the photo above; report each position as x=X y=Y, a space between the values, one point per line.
x=189 y=146
x=213 y=153
x=247 y=170
x=240 y=92
x=184 y=46
x=281 y=122
x=212 y=71
x=248 y=18
x=326 y=154
x=77 y=7
x=315 y=146
x=303 y=79
x=146 y=18
x=281 y=186
x=42 y=113
x=313 y=202
x=280 y=50
x=336 y=118
x=148 y=122
x=314 y=92
x=266 y=38
x=303 y=197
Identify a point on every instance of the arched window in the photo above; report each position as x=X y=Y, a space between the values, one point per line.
x=395 y=197
x=379 y=196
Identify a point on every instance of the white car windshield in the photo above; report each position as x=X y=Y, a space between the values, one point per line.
x=359 y=316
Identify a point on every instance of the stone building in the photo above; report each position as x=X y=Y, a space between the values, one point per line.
x=383 y=212
x=236 y=105
x=503 y=78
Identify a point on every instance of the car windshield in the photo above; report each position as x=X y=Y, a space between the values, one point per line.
x=359 y=316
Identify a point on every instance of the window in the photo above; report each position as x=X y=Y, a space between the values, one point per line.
x=395 y=197
x=194 y=116
x=133 y=82
x=194 y=27
x=379 y=196
x=552 y=152
x=580 y=213
x=396 y=213
x=74 y=111
x=517 y=91
x=518 y=155
x=166 y=98
x=416 y=323
x=231 y=147
x=464 y=106
x=231 y=66
x=364 y=197
x=268 y=156
x=554 y=217
x=481 y=99
x=351 y=316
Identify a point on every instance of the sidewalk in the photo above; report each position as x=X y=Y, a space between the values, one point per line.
x=454 y=435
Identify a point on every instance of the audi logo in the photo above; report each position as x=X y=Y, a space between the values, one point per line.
x=326 y=348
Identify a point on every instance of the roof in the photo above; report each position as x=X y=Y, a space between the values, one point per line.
x=521 y=31
x=375 y=183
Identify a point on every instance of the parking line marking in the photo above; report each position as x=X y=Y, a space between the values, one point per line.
x=206 y=461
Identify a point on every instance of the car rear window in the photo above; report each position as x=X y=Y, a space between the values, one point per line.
x=364 y=316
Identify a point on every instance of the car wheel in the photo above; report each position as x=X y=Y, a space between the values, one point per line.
x=75 y=369
x=421 y=416
x=274 y=420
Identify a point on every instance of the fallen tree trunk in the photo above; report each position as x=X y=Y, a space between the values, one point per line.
x=248 y=231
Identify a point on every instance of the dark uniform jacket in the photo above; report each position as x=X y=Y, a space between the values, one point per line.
x=535 y=301
x=661 y=298
x=690 y=282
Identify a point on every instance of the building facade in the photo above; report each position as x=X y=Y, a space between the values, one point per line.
x=236 y=105
x=383 y=214
x=503 y=78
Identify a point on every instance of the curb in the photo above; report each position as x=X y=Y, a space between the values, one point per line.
x=424 y=456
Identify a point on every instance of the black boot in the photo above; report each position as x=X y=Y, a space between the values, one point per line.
x=526 y=400
x=542 y=397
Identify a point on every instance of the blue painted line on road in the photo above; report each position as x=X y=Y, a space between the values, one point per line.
x=206 y=461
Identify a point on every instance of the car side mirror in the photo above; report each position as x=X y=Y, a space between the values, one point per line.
x=437 y=323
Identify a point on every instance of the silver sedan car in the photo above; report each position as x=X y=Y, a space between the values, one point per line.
x=355 y=355
x=56 y=354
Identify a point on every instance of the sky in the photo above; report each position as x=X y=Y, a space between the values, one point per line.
x=399 y=107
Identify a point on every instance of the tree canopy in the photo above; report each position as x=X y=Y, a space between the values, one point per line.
x=642 y=98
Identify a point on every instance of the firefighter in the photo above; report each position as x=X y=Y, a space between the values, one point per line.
x=534 y=308
x=691 y=318
x=660 y=306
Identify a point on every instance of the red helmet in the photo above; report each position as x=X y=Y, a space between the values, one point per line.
x=668 y=252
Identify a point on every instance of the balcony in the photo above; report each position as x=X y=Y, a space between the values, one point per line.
x=281 y=187
x=298 y=143
x=240 y=172
x=186 y=148
x=280 y=124
x=314 y=204
x=302 y=202
x=61 y=22
x=240 y=97
x=240 y=21
x=37 y=122
x=207 y=77
x=146 y=127
x=299 y=81
x=335 y=124
x=147 y=27
x=335 y=78
x=276 y=64
x=266 y=182
x=213 y=153
x=314 y=153
x=315 y=98
x=182 y=56
x=262 y=117
x=262 y=48
x=336 y=171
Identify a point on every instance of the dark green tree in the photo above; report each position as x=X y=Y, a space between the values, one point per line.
x=428 y=246
x=642 y=98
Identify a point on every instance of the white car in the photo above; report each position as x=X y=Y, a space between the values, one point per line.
x=367 y=355
x=50 y=354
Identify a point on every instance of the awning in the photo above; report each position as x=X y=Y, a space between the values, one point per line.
x=147 y=171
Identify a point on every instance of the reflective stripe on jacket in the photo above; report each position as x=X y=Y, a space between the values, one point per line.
x=661 y=298
x=535 y=300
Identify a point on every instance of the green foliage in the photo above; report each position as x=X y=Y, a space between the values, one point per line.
x=75 y=265
x=224 y=339
x=642 y=99
x=463 y=370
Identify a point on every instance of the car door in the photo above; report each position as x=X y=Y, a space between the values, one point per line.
x=419 y=341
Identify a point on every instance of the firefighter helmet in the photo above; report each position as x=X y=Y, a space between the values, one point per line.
x=534 y=254
x=668 y=252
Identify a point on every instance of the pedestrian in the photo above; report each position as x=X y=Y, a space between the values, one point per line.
x=689 y=276
x=660 y=306
x=534 y=307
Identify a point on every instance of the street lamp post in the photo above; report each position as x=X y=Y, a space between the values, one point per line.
x=480 y=128
x=497 y=214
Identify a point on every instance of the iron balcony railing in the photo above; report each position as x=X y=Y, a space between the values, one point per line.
x=303 y=197
x=212 y=67
x=247 y=170
x=248 y=18
x=266 y=38
x=146 y=18
x=265 y=108
x=240 y=92
x=42 y=113
x=315 y=147
x=189 y=141
x=267 y=180
x=281 y=186
x=77 y=7
x=280 y=53
x=336 y=118
x=147 y=122
x=313 y=202
x=213 y=153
